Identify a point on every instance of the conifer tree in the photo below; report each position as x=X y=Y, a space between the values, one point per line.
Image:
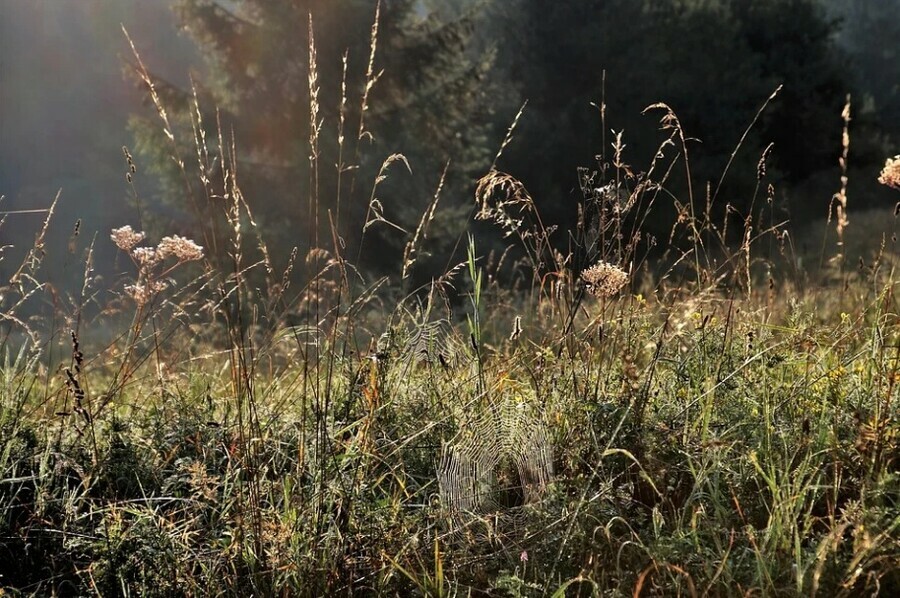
x=869 y=32
x=714 y=62
x=424 y=94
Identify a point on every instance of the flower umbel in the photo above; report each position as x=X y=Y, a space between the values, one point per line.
x=142 y=293
x=145 y=257
x=152 y=272
x=890 y=175
x=125 y=238
x=184 y=250
x=604 y=279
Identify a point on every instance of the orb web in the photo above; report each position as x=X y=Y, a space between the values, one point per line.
x=497 y=466
x=433 y=343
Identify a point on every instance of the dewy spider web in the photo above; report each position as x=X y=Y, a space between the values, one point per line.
x=497 y=465
x=432 y=342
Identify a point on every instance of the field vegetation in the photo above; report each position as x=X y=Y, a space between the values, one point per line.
x=612 y=408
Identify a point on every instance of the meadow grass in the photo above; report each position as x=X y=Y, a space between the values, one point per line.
x=702 y=445
x=613 y=419
x=570 y=436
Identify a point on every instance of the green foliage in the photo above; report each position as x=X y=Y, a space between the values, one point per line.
x=605 y=425
x=868 y=32
x=420 y=91
x=702 y=443
x=714 y=63
x=441 y=95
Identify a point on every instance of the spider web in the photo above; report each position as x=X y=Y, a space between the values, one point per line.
x=432 y=343
x=497 y=466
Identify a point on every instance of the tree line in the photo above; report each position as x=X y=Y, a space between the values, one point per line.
x=441 y=83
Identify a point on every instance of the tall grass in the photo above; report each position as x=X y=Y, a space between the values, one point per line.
x=604 y=412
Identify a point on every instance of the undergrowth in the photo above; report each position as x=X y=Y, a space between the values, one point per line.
x=590 y=412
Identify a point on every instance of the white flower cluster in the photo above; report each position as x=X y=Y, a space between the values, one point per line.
x=125 y=238
x=604 y=279
x=890 y=175
x=184 y=250
x=151 y=276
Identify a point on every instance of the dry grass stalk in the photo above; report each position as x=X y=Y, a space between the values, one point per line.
x=840 y=197
x=509 y=135
x=340 y=166
x=35 y=255
x=148 y=81
x=203 y=166
x=670 y=122
x=375 y=211
x=409 y=253
x=315 y=124
x=761 y=165
x=497 y=192
x=371 y=76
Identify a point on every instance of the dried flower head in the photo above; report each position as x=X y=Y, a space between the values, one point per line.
x=146 y=256
x=143 y=292
x=125 y=238
x=604 y=279
x=890 y=175
x=184 y=250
